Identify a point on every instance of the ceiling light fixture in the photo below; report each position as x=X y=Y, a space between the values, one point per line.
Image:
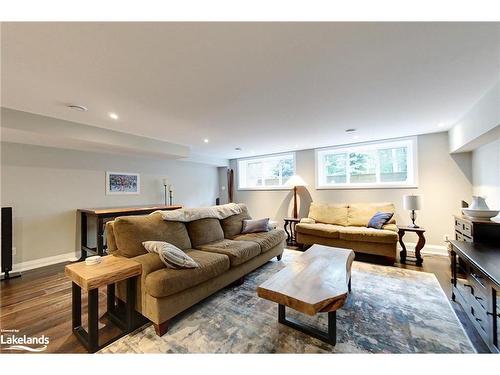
x=237 y=148
x=441 y=125
x=206 y=140
x=78 y=107
x=350 y=131
x=113 y=115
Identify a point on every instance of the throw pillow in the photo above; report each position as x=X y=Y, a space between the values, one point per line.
x=254 y=226
x=171 y=255
x=380 y=219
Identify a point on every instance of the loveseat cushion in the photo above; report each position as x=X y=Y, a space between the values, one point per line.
x=319 y=230
x=328 y=213
x=237 y=251
x=266 y=240
x=204 y=231
x=232 y=225
x=131 y=231
x=359 y=214
x=363 y=234
x=167 y=281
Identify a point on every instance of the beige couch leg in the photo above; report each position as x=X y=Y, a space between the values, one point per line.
x=390 y=260
x=161 y=328
x=279 y=256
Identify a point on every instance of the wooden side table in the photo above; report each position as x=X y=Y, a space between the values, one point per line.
x=420 y=244
x=111 y=270
x=290 y=223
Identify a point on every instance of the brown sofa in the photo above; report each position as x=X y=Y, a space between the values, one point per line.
x=223 y=253
x=345 y=225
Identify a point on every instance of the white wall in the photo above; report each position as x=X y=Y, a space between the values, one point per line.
x=486 y=173
x=46 y=185
x=481 y=123
x=444 y=180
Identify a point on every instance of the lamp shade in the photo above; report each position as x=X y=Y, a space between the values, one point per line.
x=412 y=202
x=295 y=180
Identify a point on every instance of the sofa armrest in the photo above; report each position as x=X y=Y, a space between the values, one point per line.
x=392 y=227
x=150 y=262
x=307 y=220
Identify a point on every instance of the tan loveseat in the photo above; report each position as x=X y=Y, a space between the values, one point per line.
x=345 y=225
x=223 y=253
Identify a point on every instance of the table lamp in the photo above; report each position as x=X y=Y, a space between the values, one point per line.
x=295 y=181
x=412 y=203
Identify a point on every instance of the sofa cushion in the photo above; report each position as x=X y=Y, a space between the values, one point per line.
x=266 y=240
x=237 y=251
x=204 y=231
x=167 y=281
x=232 y=225
x=328 y=213
x=320 y=230
x=363 y=234
x=131 y=231
x=359 y=214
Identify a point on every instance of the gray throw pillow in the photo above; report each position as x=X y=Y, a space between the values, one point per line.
x=380 y=219
x=254 y=226
x=170 y=255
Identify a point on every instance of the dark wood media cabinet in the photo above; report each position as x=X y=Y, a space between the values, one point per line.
x=476 y=286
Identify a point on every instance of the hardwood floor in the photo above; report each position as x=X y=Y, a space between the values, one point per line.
x=40 y=303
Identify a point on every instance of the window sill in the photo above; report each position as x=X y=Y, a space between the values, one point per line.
x=365 y=187
x=267 y=188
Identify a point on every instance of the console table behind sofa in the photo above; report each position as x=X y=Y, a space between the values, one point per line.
x=101 y=215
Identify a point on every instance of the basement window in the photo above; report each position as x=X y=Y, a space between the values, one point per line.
x=388 y=164
x=266 y=172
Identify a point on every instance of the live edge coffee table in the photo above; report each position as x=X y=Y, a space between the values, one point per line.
x=318 y=281
x=111 y=270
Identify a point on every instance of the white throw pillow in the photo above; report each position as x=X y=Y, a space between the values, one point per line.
x=171 y=255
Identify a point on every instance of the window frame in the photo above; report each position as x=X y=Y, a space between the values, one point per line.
x=259 y=158
x=412 y=166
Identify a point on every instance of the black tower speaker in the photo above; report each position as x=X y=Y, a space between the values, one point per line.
x=7 y=244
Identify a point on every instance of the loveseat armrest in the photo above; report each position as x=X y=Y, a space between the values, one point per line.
x=307 y=220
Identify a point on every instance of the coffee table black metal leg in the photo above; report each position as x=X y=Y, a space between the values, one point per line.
x=93 y=320
x=329 y=337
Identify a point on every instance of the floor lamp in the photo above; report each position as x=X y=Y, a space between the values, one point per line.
x=294 y=182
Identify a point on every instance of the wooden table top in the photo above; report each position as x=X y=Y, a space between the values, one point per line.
x=410 y=229
x=111 y=270
x=316 y=281
x=117 y=210
x=485 y=257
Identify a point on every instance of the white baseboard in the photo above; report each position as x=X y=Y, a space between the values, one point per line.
x=428 y=249
x=37 y=263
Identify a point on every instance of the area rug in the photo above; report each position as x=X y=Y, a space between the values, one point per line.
x=390 y=310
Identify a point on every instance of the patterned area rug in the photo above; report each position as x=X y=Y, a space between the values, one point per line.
x=390 y=310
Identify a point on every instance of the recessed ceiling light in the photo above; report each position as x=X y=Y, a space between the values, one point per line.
x=113 y=115
x=356 y=137
x=205 y=140
x=441 y=125
x=237 y=148
x=78 y=107
x=350 y=131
